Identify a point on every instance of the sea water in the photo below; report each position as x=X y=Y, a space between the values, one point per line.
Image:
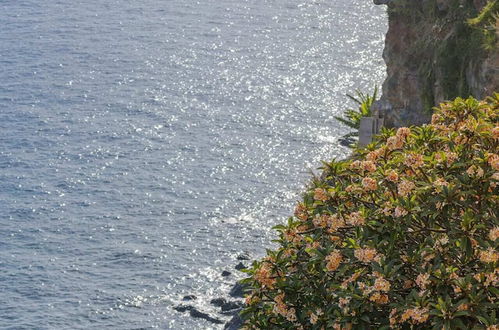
x=144 y=145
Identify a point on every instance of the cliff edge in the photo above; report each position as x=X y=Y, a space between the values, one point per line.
x=437 y=50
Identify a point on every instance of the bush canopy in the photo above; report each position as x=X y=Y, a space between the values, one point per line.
x=402 y=235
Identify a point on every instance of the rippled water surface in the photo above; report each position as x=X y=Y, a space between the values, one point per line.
x=145 y=144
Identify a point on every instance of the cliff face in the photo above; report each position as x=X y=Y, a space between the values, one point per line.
x=433 y=53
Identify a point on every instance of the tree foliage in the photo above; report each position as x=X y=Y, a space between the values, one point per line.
x=404 y=235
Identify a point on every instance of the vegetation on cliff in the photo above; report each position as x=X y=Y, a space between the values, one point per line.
x=403 y=235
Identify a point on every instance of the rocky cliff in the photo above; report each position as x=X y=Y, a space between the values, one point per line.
x=437 y=50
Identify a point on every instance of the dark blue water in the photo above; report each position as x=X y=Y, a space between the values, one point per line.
x=145 y=144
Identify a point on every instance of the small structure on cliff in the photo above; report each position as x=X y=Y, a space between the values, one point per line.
x=370 y=126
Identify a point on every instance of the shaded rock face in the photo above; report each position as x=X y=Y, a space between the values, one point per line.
x=484 y=79
x=432 y=55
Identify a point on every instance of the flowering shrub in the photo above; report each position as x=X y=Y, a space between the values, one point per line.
x=403 y=235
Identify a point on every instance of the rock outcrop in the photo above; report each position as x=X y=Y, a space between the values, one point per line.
x=433 y=53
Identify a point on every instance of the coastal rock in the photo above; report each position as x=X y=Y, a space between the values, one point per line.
x=382 y=2
x=226 y=273
x=231 y=306
x=235 y=323
x=189 y=297
x=183 y=308
x=238 y=290
x=219 y=302
x=244 y=256
x=194 y=312
x=200 y=315
x=240 y=266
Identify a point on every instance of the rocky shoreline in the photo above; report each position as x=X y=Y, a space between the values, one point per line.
x=229 y=305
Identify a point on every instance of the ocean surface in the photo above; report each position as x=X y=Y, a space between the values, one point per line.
x=144 y=145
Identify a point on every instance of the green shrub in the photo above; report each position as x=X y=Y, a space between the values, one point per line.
x=487 y=24
x=487 y=15
x=404 y=235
